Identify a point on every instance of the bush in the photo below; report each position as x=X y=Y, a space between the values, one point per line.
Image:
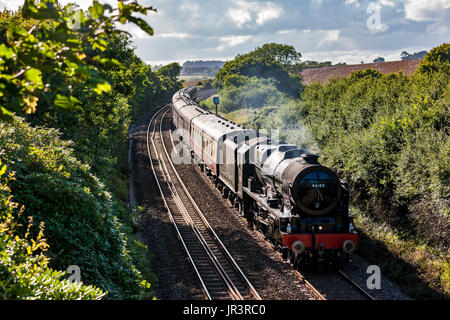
x=24 y=271
x=388 y=135
x=276 y=61
x=79 y=214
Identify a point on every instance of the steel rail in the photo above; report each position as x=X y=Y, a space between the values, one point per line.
x=354 y=284
x=209 y=228
x=231 y=288
x=302 y=278
x=205 y=221
x=299 y=275
x=184 y=212
x=167 y=205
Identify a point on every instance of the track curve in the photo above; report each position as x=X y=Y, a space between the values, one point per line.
x=220 y=276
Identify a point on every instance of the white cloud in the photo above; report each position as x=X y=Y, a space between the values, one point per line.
x=287 y=31
x=330 y=36
x=352 y=2
x=386 y=3
x=243 y=12
x=319 y=29
x=431 y=10
x=239 y=15
x=173 y=35
x=11 y=4
x=373 y=22
x=233 y=41
x=269 y=12
x=438 y=29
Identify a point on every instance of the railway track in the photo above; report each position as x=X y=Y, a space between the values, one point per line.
x=218 y=273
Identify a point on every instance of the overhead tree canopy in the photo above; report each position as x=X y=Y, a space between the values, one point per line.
x=58 y=40
x=284 y=54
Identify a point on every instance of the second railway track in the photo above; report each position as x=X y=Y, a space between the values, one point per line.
x=220 y=276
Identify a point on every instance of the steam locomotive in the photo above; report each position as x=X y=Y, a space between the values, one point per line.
x=299 y=205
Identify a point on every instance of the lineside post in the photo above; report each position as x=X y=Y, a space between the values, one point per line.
x=216 y=102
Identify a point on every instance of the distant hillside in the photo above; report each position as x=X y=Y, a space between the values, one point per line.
x=323 y=74
x=207 y=68
x=204 y=64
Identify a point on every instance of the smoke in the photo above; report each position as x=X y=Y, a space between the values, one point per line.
x=242 y=92
x=259 y=104
x=285 y=121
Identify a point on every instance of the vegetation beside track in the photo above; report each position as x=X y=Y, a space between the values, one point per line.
x=63 y=142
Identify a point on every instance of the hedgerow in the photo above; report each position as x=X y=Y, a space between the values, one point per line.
x=80 y=216
x=388 y=135
x=69 y=107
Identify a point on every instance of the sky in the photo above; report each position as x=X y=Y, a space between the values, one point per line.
x=347 y=31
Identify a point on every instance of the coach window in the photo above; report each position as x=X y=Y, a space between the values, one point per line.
x=199 y=138
x=210 y=147
x=213 y=151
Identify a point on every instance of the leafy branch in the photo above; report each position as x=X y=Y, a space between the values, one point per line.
x=61 y=41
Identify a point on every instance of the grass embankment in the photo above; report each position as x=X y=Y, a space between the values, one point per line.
x=421 y=271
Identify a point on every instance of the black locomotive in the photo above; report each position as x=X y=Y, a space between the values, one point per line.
x=299 y=205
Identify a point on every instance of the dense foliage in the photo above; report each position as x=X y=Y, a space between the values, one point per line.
x=56 y=40
x=243 y=92
x=69 y=151
x=100 y=129
x=24 y=271
x=79 y=214
x=389 y=136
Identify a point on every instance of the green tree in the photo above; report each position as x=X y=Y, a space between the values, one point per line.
x=121 y=84
x=284 y=54
x=437 y=59
x=172 y=71
x=388 y=136
x=24 y=271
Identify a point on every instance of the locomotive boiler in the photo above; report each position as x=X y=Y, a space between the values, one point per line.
x=299 y=205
